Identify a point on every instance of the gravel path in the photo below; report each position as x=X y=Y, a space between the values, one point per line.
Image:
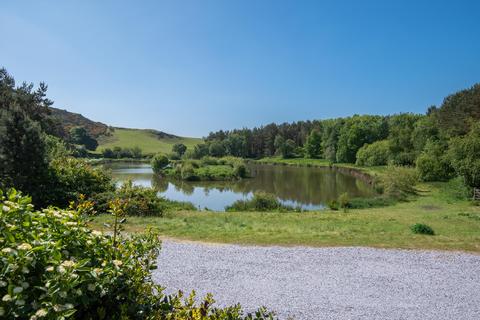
x=328 y=283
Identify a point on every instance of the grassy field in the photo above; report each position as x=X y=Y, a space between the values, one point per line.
x=456 y=224
x=145 y=140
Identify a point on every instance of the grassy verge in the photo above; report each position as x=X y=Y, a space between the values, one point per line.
x=456 y=224
x=145 y=140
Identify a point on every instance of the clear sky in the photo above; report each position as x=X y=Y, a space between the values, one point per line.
x=190 y=67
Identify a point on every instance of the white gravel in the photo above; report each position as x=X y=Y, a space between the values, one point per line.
x=327 y=283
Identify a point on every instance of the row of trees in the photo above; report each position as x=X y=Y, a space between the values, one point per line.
x=430 y=141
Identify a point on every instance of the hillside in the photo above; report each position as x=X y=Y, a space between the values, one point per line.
x=150 y=141
x=69 y=119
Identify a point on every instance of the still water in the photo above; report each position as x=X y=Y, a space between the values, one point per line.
x=309 y=188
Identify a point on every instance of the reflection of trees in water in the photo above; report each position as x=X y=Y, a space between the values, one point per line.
x=300 y=184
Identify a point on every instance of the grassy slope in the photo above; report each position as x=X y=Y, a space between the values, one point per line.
x=456 y=223
x=148 y=142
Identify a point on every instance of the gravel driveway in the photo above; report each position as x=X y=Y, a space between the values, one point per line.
x=328 y=283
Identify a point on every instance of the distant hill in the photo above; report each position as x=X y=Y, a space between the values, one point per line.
x=150 y=141
x=69 y=119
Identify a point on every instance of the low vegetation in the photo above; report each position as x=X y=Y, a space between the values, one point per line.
x=260 y=202
x=205 y=169
x=54 y=267
x=420 y=228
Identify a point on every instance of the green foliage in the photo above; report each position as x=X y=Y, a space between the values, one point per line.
x=54 y=267
x=73 y=177
x=333 y=205
x=464 y=153
x=433 y=163
x=459 y=112
x=399 y=182
x=285 y=148
x=209 y=169
x=179 y=148
x=216 y=149
x=344 y=201
x=260 y=201
x=357 y=131
x=23 y=154
x=122 y=153
x=420 y=228
x=313 y=146
x=159 y=163
x=79 y=135
x=401 y=129
x=375 y=154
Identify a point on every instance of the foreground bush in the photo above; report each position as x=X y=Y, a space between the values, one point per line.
x=159 y=163
x=420 y=228
x=260 y=201
x=54 y=267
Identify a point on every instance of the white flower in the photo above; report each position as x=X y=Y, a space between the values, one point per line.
x=8 y=250
x=96 y=233
x=79 y=292
x=71 y=223
x=3 y=284
x=91 y=287
x=25 y=270
x=68 y=306
x=117 y=263
x=49 y=269
x=41 y=313
x=17 y=290
x=61 y=269
x=68 y=263
x=63 y=294
x=5 y=209
x=7 y=298
x=24 y=246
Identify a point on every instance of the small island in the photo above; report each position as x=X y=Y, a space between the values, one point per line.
x=204 y=169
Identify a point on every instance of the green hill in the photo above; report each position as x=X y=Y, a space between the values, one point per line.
x=150 y=141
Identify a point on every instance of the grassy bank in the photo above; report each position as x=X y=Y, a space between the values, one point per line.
x=456 y=224
x=148 y=141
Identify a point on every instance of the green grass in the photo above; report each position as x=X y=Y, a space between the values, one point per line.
x=145 y=140
x=456 y=224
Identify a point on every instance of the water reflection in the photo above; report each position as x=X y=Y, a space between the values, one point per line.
x=310 y=188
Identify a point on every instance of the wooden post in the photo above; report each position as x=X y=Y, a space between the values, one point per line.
x=476 y=193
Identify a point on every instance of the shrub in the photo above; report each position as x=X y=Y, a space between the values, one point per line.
x=159 y=163
x=72 y=177
x=399 y=182
x=260 y=201
x=375 y=154
x=344 y=201
x=432 y=164
x=420 y=228
x=54 y=267
x=333 y=205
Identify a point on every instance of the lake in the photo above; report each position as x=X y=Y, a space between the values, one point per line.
x=306 y=187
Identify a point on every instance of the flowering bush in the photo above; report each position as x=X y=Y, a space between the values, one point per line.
x=52 y=266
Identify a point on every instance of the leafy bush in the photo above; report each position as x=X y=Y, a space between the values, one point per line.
x=122 y=153
x=159 y=163
x=260 y=201
x=420 y=228
x=399 y=182
x=464 y=153
x=333 y=205
x=54 y=267
x=375 y=154
x=432 y=164
x=72 y=177
x=344 y=201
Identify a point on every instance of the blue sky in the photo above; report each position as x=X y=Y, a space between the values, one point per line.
x=190 y=67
